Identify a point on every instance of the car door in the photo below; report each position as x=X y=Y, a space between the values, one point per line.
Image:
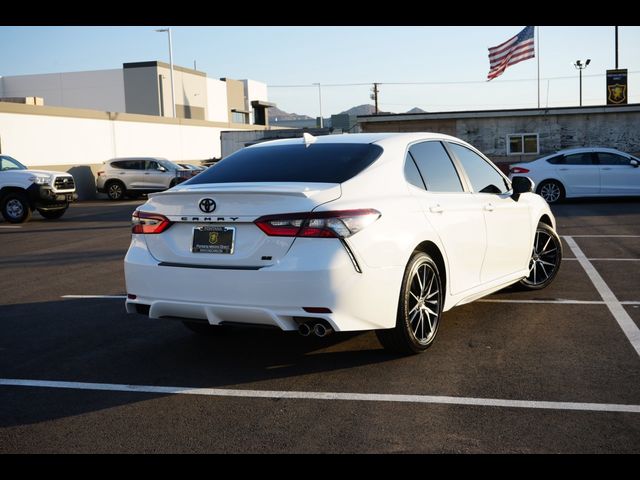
x=617 y=175
x=453 y=212
x=508 y=223
x=155 y=178
x=579 y=174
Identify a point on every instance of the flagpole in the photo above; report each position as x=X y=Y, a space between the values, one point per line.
x=538 y=55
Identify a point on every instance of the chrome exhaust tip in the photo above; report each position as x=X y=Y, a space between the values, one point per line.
x=304 y=329
x=321 y=331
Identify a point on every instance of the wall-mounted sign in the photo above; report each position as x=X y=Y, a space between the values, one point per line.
x=617 y=87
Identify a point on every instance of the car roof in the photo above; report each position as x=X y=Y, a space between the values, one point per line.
x=117 y=159
x=568 y=151
x=361 y=138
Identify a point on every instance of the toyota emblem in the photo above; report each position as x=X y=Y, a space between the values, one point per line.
x=207 y=205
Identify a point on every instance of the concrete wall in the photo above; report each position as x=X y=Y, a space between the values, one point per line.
x=80 y=140
x=217 y=110
x=99 y=90
x=606 y=128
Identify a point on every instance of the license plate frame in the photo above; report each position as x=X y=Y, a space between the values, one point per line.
x=202 y=240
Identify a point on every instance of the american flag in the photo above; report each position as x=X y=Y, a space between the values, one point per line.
x=513 y=51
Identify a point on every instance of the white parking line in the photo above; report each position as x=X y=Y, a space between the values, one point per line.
x=607 y=259
x=560 y=301
x=94 y=296
x=600 y=236
x=10 y=226
x=361 y=397
x=627 y=325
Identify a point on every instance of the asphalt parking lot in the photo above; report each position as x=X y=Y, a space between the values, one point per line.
x=556 y=370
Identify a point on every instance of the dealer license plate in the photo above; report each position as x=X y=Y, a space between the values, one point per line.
x=212 y=239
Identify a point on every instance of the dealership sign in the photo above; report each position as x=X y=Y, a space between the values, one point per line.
x=617 y=87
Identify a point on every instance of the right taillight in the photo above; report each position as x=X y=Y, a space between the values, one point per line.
x=149 y=223
x=100 y=173
x=518 y=170
x=335 y=224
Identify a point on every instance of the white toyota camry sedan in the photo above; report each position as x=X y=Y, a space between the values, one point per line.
x=379 y=232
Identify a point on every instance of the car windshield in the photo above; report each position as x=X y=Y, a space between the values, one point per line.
x=169 y=165
x=321 y=163
x=10 y=163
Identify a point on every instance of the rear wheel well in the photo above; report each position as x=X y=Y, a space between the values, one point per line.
x=555 y=180
x=546 y=220
x=433 y=251
x=114 y=180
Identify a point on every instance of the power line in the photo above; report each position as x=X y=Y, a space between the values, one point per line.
x=470 y=82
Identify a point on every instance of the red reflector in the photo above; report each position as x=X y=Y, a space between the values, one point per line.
x=131 y=296
x=519 y=170
x=317 y=309
x=149 y=223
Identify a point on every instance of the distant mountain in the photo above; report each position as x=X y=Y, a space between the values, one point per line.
x=364 y=109
x=416 y=110
x=281 y=115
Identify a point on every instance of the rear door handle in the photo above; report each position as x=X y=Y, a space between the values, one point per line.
x=606 y=168
x=436 y=209
x=563 y=169
x=489 y=207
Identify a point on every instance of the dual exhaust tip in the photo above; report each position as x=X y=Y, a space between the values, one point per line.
x=318 y=329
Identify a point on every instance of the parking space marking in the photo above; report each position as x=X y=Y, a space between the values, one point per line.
x=10 y=226
x=560 y=301
x=95 y=296
x=627 y=325
x=607 y=259
x=361 y=397
x=600 y=236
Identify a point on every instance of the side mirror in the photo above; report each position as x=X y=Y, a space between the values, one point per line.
x=161 y=168
x=521 y=185
x=634 y=163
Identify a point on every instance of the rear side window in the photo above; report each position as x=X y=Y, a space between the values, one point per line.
x=129 y=164
x=435 y=167
x=555 y=160
x=578 y=159
x=484 y=177
x=321 y=163
x=411 y=172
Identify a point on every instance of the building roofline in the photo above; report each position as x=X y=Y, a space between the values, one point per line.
x=157 y=63
x=519 y=112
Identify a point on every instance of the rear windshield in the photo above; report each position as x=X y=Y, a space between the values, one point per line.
x=321 y=163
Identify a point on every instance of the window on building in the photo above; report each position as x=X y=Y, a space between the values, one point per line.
x=435 y=167
x=522 y=144
x=239 y=117
x=483 y=176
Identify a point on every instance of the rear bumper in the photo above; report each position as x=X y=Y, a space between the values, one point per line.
x=314 y=273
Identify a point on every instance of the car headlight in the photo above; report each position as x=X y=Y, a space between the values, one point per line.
x=40 y=179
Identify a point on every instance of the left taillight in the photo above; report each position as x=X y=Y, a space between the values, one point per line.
x=149 y=223
x=334 y=224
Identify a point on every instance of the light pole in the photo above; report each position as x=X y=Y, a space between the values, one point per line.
x=173 y=97
x=581 y=67
x=320 y=100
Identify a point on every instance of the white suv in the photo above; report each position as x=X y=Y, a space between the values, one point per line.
x=23 y=190
x=135 y=176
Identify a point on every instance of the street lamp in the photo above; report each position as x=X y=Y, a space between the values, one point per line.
x=581 y=67
x=173 y=97
x=320 y=100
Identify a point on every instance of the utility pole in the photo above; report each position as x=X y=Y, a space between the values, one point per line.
x=374 y=96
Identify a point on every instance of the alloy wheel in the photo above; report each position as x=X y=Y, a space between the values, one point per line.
x=14 y=208
x=424 y=303
x=544 y=258
x=550 y=192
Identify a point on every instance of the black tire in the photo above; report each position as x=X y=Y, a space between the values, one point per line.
x=552 y=191
x=52 y=214
x=545 y=261
x=173 y=183
x=15 y=207
x=115 y=190
x=408 y=336
x=203 y=328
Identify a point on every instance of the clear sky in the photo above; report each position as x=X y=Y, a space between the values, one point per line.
x=441 y=56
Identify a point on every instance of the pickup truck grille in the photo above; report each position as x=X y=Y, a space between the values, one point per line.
x=64 y=183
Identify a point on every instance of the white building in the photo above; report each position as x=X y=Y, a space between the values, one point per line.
x=89 y=117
